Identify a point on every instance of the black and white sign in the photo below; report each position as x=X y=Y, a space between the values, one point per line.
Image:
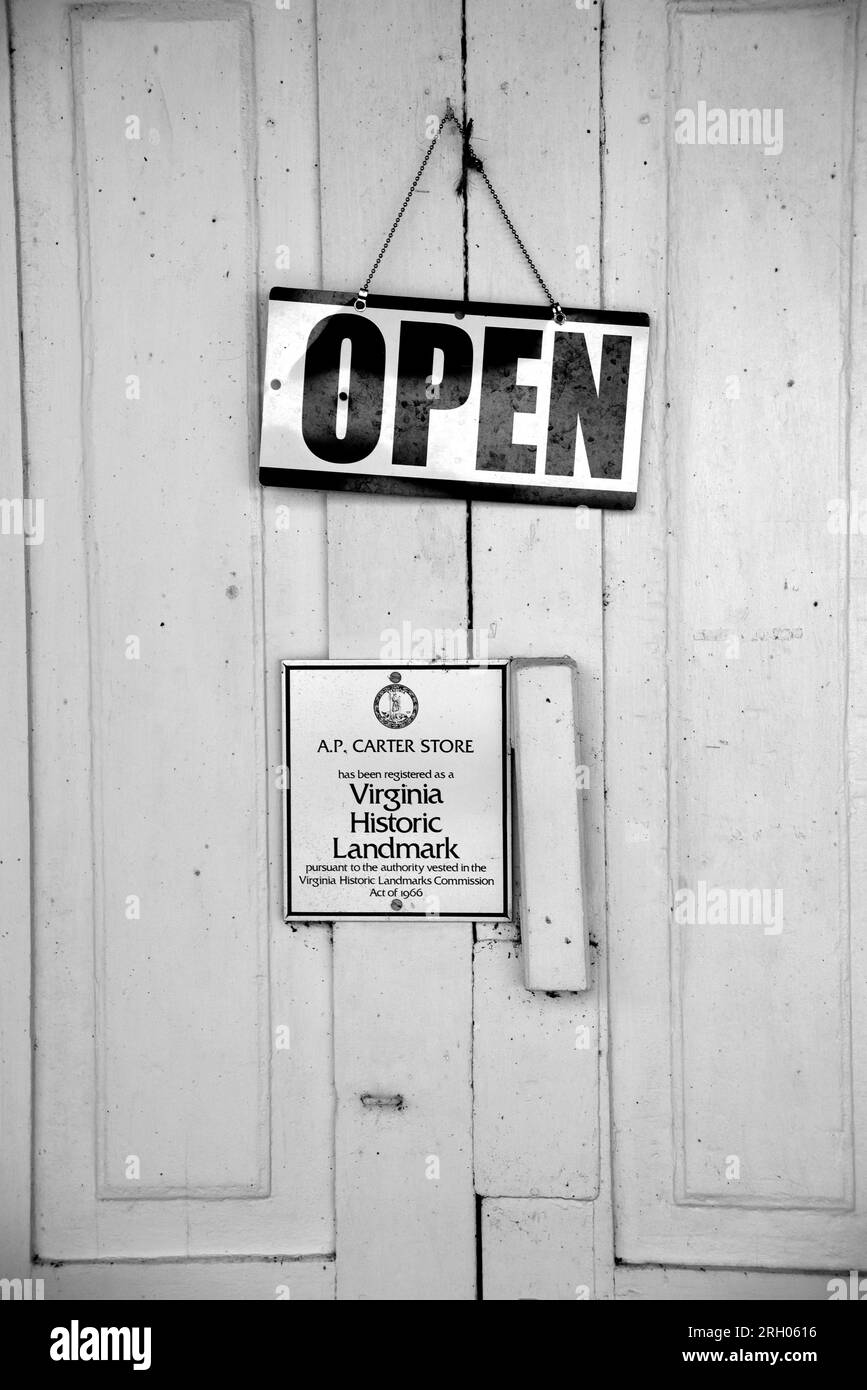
x=430 y=396
x=396 y=794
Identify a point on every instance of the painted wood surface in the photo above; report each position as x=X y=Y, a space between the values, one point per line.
x=538 y=1250
x=535 y=1095
x=737 y=1072
x=720 y=1285
x=402 y=995
x=15 y=955
x=537 y=573
x=198 y=977
x=303 y=169
x=176 y=649
x=304 y=1281
x=405 y=1206
x=550 y=780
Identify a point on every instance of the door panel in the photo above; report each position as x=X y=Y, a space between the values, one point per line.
x=179 y=1108
x=737 y=1055
x=181 y=714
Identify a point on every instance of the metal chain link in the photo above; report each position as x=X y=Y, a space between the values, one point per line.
x=362 y=293
x=471 y=161
x=555 y=307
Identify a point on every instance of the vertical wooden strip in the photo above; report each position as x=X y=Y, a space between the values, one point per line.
x=63 y=907
x=550 y=779
x=15 y=783
x=296 y=624
x=636 y=755
x=856 y=411
x=405 y=1208
x=402 y=995
x=533 y=91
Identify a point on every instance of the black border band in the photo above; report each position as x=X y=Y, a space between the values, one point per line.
x=461 y=307
x=377 y=485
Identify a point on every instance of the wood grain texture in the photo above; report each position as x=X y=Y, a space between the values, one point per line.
x=727 y=607
x=15 y=955
x=535 y=1084
x=538 y=1250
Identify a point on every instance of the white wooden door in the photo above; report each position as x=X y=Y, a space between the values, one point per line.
x=199 y=1066
x=174 y=160
x=734 y=650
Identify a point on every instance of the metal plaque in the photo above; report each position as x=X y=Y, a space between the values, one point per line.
x=426 y=396
x=396 y=791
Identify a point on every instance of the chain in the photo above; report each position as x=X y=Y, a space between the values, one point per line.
x=471 y=161
x=555 y=307
x=362 y=293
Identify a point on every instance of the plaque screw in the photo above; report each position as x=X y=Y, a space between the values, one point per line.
x=396 y=905
x=395 y=676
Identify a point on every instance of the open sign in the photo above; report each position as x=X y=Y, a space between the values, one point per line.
x=471 y=400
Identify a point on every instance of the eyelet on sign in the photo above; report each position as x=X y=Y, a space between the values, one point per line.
x=360 y=304
x=276 y=384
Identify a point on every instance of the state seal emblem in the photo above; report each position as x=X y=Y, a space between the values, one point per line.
x=395 y=705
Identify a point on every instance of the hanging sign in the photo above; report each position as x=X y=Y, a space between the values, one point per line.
x=427 y=396
x=396 y=791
